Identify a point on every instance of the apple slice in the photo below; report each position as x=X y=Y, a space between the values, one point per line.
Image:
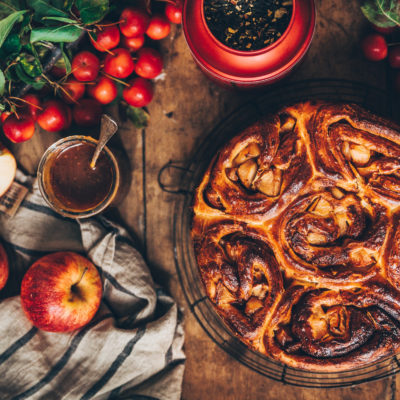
x=8 y=167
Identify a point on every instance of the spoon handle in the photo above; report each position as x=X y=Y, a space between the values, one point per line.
x=107 y=129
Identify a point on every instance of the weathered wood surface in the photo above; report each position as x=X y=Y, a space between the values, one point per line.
x=186 y=107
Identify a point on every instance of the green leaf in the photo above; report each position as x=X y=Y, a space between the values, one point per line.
x=139 y=116
x=22 y=75
x=12 y=45
x=61 y=19
x=56 y=34
x=7 y=24
x=7 y=7
x=38 y=84
x=92 y=11
x=2 y=82
x=382 y=13
x=67 y=62
x=63 y=4
x=45 y=8
x=31 y=65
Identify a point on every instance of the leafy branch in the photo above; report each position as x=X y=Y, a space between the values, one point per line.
x=32 y=38
x=382 y=13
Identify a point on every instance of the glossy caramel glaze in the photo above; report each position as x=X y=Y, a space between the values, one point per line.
x=296 y=231
x=77 y=186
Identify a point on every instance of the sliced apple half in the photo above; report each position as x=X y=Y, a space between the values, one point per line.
x=8 y=168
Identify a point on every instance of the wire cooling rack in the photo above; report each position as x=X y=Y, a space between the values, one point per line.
x=190 y=175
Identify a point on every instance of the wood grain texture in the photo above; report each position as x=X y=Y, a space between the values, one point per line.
x=186 y=107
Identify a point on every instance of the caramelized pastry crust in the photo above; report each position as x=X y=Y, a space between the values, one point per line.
x=296 y=230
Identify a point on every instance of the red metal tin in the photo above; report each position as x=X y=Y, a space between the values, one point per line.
x=248 y=69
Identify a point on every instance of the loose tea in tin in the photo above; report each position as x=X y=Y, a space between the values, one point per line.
x=247 y=24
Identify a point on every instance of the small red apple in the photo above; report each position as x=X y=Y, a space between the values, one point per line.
x=87 y=112
x=32 y=105
x=133 y=44
x=149 y=63
x=119 y=63
x=54 y=116
x=85 y=66
x=139 y=93
x=104 y=91
x=4 y=269
x=74 y=90
x=61 y=292
x=107 y=37
x=4 y=115
x=134 y=22
x=19 y=128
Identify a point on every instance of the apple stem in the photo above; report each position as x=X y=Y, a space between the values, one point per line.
x=27 y=102
x=115 y=79
x=100 y=26
x=83 y=274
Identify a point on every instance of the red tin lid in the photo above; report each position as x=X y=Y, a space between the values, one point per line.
x=253 y=68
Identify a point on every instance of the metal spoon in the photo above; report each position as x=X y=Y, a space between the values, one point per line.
x=107 y=129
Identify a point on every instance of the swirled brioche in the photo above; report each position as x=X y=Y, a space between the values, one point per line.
x=296 y=230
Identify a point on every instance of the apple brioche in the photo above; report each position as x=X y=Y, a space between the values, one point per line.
x=296 y=230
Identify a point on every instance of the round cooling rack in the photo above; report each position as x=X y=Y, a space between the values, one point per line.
x=191 y=174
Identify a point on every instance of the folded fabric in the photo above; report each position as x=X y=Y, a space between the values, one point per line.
x=132 y=349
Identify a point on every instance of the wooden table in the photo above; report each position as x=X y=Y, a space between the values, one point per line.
x=186 y=107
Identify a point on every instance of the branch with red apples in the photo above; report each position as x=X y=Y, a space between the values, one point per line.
x=45 y=82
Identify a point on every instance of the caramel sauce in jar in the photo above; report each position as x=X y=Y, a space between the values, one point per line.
x=70 y=185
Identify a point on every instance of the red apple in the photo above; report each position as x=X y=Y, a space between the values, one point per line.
x=119 y=63
x=74 y=90
x=19 y=128
x=149 y=63
x=104 y=91
x=87 y=112
x=4 y=115
x=133 y=44
x=85 y=66
x=139 y=93
x=32 y=105
x=134 y=22
x=107 y=37
x=54 y=116
x=61 y=292
x=4 y=269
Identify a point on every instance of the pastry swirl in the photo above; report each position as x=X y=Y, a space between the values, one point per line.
x=325 y=328
x=296 y=230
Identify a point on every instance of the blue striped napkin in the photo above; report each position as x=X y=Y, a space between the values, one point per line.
x=132 y=349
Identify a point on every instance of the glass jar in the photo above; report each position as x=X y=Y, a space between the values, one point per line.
x=69 y=185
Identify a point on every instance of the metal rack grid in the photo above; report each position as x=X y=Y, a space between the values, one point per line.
x=190 y=176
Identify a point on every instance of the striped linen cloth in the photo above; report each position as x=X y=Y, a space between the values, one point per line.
x=132 y=349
